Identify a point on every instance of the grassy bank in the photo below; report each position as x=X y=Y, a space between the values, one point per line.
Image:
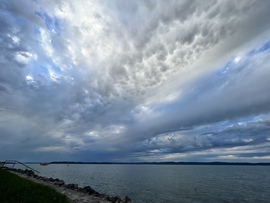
x=16 y=189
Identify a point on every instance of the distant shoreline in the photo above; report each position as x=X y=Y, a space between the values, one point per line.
x=159 y=163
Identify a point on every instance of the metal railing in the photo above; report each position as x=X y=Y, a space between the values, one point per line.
x=13 y=163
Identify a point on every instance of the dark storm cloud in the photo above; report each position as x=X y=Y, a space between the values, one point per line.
x=239 y=134
x=227 y=140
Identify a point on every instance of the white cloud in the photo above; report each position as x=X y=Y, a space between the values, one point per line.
x=60 y=149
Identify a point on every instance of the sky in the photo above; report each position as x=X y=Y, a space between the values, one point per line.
x=135 y=81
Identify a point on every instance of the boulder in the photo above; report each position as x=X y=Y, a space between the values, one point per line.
x=89 y=190
x=46 y=179
x=59 y=183
x=29 y=172
x=20 y=170
x=127 y=199
x=114 y=199
x=51 y=179
x=72 y=186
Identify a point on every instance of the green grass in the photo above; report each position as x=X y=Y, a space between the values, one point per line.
x=16 y=189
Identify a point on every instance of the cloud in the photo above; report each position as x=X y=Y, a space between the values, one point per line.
x=235 y=91
x=214 y=135
x=103 y=78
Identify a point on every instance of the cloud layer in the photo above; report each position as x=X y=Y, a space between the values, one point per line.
x=134 y=81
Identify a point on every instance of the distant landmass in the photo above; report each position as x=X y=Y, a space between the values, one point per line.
x=159 y=163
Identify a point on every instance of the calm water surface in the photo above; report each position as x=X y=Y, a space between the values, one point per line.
x=169 y=183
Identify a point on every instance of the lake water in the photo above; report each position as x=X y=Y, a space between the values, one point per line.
x=169 y=183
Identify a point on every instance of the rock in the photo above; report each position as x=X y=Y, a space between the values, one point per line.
x=72 y=186
x=46 y=179
x=89 y=190
x=59 y=183
x=108 y=198
x=29 y=172
x=115 y=199
x=51 y=179
x=20 y=170
x=127 y=199
x=40 y=177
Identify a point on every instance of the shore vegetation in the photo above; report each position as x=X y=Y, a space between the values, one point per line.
x=16 y=189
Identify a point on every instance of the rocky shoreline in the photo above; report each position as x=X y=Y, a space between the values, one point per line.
x=74 y=193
